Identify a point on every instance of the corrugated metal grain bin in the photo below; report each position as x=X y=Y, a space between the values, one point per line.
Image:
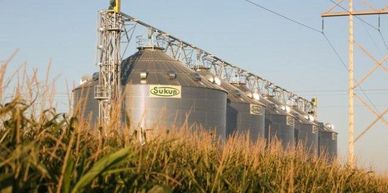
x=327 y=141
x=306 y=136
x=250 y=111
x=159 y=91
x=281 y=124
x=244 y=114
x=84 y=103
x=278 y=124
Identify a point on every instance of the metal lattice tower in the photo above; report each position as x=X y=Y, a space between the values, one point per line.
x=109 y=59
x=352 y=85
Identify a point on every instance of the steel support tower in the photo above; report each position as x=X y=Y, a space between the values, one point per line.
x=109 y=59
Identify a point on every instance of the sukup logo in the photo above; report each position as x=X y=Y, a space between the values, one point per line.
x=164 y=91
x=167 y=91
x=255 y=109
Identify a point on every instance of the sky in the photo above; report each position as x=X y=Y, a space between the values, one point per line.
x=290 y=55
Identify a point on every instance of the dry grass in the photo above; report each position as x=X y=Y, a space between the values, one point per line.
x=44 y=151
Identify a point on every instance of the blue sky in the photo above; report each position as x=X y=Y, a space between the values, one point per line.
x=290 y=55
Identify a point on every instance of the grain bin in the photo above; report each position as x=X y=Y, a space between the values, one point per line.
x=281 y=123
x=244 y=114
x=278 y=124
x=84 y=103
x=159 y=91
x=327 y=141
x=306 y=135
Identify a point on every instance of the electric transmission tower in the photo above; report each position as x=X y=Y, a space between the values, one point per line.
x=352 y=85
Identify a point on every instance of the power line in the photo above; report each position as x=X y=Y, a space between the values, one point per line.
x=341 y=106
x=343 y=63
x=372 y=39
x=362 y=20
x=335 y=51
x=283 y=16
x=365 y=22
x=381 y=35
x=382 y=38
x=303 y=25
x=324 y=35
x=367 y=97
x=321 y=31
x=340 y=90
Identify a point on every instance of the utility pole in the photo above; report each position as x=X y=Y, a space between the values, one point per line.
x=351 y=86
x=109 y=59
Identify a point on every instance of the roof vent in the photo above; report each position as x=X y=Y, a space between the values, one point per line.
x=256 y=96
x=150 y=48
x=85 y=79
x=330 y=126
x=197 y=76
x=311 y=118
x=217 y=81
x=95 y=76
x=172 y=75
x=210 y=78
x=286 y=108
x=143 y=75
x=237 y=93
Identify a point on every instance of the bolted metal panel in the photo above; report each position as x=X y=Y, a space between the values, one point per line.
x=306 y=134
x=327 y=142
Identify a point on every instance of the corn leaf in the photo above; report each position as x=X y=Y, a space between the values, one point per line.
x=100 y=166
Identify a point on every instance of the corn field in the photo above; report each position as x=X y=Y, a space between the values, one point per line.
x=46 y=151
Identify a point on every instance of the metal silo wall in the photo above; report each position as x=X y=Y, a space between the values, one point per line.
x=328 y=143
x=279 y=129
x=267 y=125
x=84 y=104
x=244 y=114
x=241 y=121
x=197 y=106
x=334 y=145
x=307 y=136
x=231 y=120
